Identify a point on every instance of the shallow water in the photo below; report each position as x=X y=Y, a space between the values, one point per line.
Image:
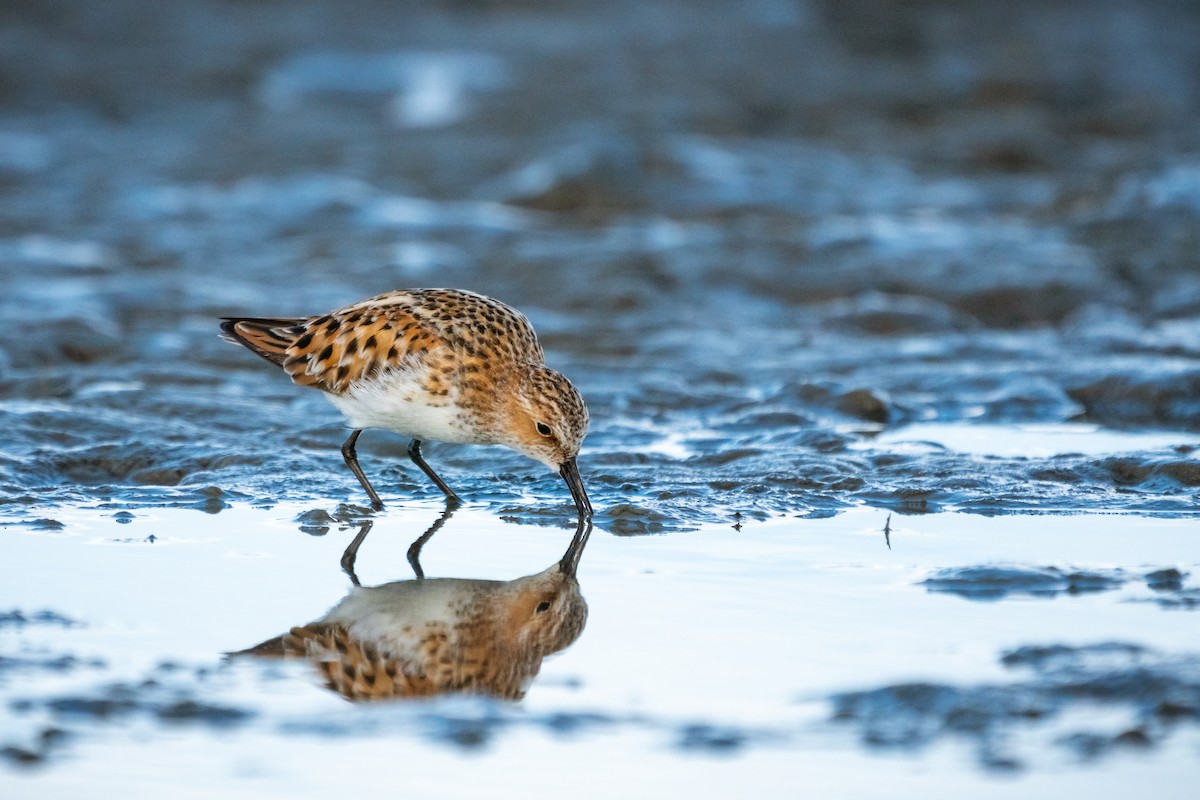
x=810 y=640
x=815 y=266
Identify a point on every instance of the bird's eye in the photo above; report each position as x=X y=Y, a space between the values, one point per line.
x=544 y=429
x=543 y=607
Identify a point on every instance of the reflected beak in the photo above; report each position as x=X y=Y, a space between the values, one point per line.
x=570 y=474
x=570 y=560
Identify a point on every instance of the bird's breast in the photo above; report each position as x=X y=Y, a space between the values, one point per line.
x=408 y=402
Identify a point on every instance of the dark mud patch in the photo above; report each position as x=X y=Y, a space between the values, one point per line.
x=1149 y=400
x=168 y=693
x=44 y=742
x=319 y=522
x=711 y=739
x=999 y=581
x=110 y=710
x=21 y=619
x=631 y=520
x=43 y=524
x=35 y=663
x=1155 y=694
x=176 y=695
x=466 y=723
x=1170 y=591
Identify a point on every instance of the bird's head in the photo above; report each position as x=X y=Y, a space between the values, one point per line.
x=547 y=610
x=547 y=421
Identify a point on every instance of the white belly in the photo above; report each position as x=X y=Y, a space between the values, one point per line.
x=397 y=401
x=395 y=616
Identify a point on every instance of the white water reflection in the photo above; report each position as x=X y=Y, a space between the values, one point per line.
x=427 y=89
x=1029 y=441
x=720 y=641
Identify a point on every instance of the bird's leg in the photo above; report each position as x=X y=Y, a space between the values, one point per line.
x=414 y=452
x=351 y=553
x=414 y=549
x=351 y=457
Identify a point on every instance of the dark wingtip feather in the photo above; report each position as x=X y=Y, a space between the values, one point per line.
x=229 y=330
x=275 y=353
x=271 y=648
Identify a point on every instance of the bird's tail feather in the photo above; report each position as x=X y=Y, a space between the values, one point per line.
x=267 y=337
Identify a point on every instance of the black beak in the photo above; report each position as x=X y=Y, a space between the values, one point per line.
x=570 y=560
x=570 y=474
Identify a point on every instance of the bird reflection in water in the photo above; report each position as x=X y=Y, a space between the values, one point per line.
x=428 y=636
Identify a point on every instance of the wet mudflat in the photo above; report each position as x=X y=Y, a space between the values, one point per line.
x=811 y=264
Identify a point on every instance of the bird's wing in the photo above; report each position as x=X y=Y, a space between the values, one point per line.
x=333 y=351
x=355 y=668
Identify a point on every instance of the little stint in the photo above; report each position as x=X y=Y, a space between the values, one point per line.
x=432 y=636
x=440 y=364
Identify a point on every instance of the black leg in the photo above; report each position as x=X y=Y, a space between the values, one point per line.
x=351 y=553
x=414 y=549
x=352 y=462
x=414 y=452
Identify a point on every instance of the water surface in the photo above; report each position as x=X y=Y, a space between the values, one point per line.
x=809 y=640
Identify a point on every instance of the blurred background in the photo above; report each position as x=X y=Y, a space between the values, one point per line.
x=836 y=259
x=762 y=238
